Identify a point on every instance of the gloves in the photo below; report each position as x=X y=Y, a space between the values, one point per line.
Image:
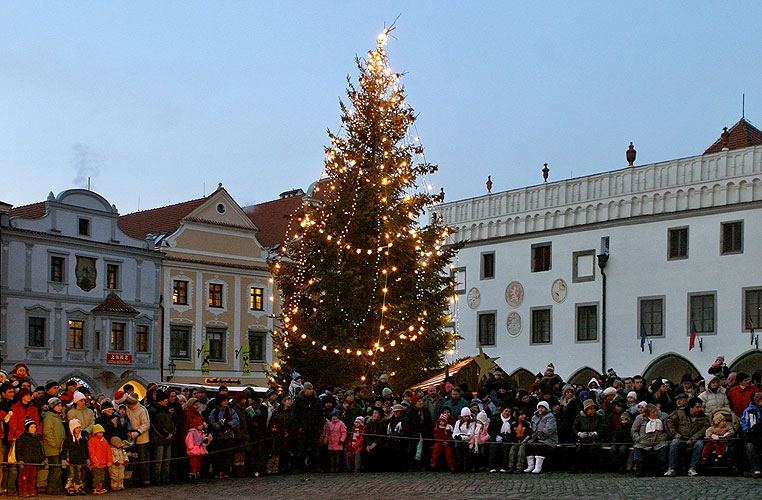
x=582 y=435
x=20 y=464
x=499 y=439
x=715 y=437
x=592 y=434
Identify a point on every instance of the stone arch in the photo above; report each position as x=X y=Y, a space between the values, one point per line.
x=491 y=229
x=671 y=366
x=583 y=376
x=756 y=189
x=731 y=191
x=748 y=362
x=81 y=377
x=521 y=378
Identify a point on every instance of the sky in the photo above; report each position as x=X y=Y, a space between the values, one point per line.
x=158 y=102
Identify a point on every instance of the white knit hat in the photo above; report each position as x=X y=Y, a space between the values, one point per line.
x=465 y=412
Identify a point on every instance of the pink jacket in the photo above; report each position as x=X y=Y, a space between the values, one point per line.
x=194 y=442
x=334 y=435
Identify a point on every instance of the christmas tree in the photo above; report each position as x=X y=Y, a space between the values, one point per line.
x=365 y=289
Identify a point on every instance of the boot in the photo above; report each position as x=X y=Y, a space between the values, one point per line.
x=530 y=464
x=538 y=465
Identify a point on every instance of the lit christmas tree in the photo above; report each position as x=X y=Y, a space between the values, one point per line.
x=365 y=288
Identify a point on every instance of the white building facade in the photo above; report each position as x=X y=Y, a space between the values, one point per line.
x=80 y=299
x=681 y=245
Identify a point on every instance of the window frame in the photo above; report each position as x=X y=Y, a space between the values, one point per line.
x=176 y=296
x=253 y=296
x=699 y=331
x=663 y=300
x=576 y=278
x=677 y=230
x=261 y=336
x=533 y=257
x=72 y=346
x=532 y=311
x=114 y=346
x=116 y=276
x=145 y=333
x=88 y=226
x=756 y=321
x=223 y=343
x=211 y=296
x=586 y=305
x=454 y=273
x=51 y=267
x=483 y=265
x=733 y=251
x=41 y=332
x=486 y=314
x=188 y=332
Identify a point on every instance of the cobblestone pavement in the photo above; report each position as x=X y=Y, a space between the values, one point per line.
x=432 y=485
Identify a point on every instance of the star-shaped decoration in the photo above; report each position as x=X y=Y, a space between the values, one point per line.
x=485 y=363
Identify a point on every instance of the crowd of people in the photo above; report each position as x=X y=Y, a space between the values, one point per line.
x=59 y=441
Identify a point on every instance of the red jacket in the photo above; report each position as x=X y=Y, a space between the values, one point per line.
x=356 y=440
x=100 y=452
x=20 y=414
x=740 y=398
x=442 y=430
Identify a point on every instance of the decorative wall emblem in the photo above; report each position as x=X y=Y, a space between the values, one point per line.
x=514 y=294
x=558 y=290
x=474 y=298
x=86 y=273
x=513 y=324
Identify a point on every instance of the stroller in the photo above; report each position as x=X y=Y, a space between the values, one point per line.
x=730 y=463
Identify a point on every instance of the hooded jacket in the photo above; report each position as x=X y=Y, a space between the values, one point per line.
x=53 y=432
x=20 y=413
x=544 y=429
x=713 y=400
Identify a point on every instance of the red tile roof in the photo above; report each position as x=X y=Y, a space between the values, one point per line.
x=272 y=218
x=157 y=220
x=741 y=135
x=115 y=305
x=31 y=211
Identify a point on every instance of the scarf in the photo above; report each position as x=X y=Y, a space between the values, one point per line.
x=506 y=427
x=654 y=425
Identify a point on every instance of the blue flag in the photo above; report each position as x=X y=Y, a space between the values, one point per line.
x=643 y=337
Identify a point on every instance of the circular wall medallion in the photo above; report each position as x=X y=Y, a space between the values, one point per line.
x=558 y=290
x=513 y=324
x=514 y=294
x=474 y=298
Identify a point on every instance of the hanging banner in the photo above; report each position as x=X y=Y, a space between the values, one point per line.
x=205 y=358
x=245 y=366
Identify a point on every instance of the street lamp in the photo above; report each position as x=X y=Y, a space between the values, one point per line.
x=172 y=368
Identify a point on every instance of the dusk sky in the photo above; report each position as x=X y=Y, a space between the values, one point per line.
x=155 y=100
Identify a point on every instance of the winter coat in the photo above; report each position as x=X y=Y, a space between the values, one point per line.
x=456 y=406
x=53 y=432
x=118 y=456
x=190 y=414
x=356 y=441
x=434 y=405
x=334 y=435
x=308 y=415
x=443 y=430
x=162 y=425
x=496 y=424
x=714 y=400
x=242 y=434
x=139 y=422
x=5 y=407
x=75 y=451
x=680 y=422
x=462 y=431
x=739 y=398
x=618 y=431
x=655 y=440
x=29 y=449
x=418 y=422
x=223 y=421
x=100 y=452
x=544 y=429
x=751 y=418
x=85 y=416
x=20 y=414
x=194 y=443
x=111 y=430
x=375 y=430
x=586 y=423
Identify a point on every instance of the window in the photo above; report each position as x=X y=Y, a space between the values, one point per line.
x=112 y=276
x=215 y=295
x=487 y=328
x=179 y=341
x=488 y=265
x=84 y=227
x=117 y=336
x=458 y=276
x=57 y=269
x=216 y=338
x=541 y=326
x=702 y=312
x=257 y=342
x=76 y=335
x=36 y=332
x=180 y=292
x=587 y=323
x=652 y=317
x=541 y=257
x=583 y=266
x=141 y=338
x=732 y=237
x=677 y=243
x=753 y=309
x=256 y=299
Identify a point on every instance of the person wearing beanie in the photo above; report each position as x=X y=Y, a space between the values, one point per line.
x=308 y=423
x=53 y=434
x=50 y=390
x=160 y=438
x=75 y=454
x=196 y=443
x=544 y=437
x=477 y=444
x=100 y=457
x=21 y=409
x=29 y=455
x=119 y=461
x=81 y=412
x=461 y=432
x=334 y=435
x=296 y=386
x=418 y=423
x=140 y=423
x=283 y=444
x=383 y=382
x=588 y=428
x=751 y=424
x=355 y=445
x=222 y=421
